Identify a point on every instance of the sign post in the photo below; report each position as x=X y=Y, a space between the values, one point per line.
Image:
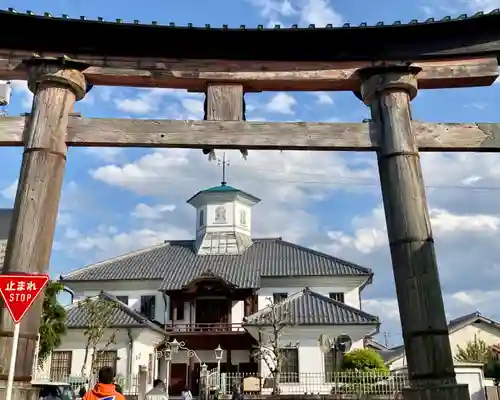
x=19 y=292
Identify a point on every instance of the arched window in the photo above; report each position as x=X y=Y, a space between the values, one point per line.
x=243 y=217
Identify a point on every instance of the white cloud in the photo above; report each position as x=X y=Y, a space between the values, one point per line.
x=108 y=241
x=106 y=154
x=282 y=103
x=146 y=102
x=323 y=98
x=21 y=88
x=193 y=106
x=304 y=12
x=10 y=191
x=144 y=211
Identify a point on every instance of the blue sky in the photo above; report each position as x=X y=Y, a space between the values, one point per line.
x=118 y=200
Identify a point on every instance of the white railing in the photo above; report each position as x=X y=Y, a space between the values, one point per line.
x=348 y=383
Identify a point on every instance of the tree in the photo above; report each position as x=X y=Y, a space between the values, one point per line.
x=98 y=312
x=270 y=348
x=52 y=323
x=364 y=360
x=475 y=351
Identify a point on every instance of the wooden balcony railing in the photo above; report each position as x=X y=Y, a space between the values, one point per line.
x=209 y=328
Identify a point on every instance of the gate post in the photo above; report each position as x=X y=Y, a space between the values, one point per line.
x=56 y=85
x=388 y=92
x=203 y=382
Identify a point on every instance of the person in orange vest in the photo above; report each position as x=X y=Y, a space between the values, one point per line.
x=104 y=389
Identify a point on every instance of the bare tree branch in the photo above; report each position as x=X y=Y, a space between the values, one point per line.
x=271 y=326
x=98 y=313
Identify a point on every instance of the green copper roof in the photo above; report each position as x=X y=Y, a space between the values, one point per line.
x=222 y=188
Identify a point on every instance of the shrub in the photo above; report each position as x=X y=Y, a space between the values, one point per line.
x=364 y=360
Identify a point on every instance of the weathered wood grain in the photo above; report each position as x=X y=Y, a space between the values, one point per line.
x=35 y=210
x=423 y=319
x=225 y=103
x=96 y=132
x=255 y=76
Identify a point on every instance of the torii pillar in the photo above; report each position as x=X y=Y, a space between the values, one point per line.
x=56 y=85
x=388 y=92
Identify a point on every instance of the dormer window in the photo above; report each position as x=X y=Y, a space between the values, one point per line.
x=337 y=296
x=279 y=297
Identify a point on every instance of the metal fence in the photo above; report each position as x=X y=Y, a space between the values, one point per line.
x=341 y=383
x=130 y=386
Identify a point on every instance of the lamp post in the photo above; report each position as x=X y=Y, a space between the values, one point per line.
x=167 y=353
x=171 y=348
x=218 y=356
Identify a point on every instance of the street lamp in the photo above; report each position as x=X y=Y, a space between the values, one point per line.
x=167 y=353
x=174 y=346
x=218 y=356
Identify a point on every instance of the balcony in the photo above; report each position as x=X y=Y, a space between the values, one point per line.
x=209 y=328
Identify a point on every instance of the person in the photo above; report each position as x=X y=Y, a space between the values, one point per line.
x=237 y=395
x=186 y=394
x=104 y=389
x=83 y=389
x=158 y=392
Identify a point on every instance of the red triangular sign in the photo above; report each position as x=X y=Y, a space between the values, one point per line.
x=19 y=292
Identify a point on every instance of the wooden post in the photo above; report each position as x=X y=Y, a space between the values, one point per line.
x=225 y=103
x=56 y=87
x=421 y=308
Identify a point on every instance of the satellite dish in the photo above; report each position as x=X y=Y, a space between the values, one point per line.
x=325 y=343
x=343 y=343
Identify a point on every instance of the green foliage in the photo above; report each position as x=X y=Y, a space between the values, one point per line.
x=492 y=370
x=475 y=351
x=364 y=360
x=53 y=321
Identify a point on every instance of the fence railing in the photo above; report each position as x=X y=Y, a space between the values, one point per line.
x=348 y=383
x=129 y=386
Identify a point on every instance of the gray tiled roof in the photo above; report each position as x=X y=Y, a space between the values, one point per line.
x=121 y=316
x=176 y=264
x=311 y=308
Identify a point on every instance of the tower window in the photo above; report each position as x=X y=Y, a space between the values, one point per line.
x=202 y=218
x=243 y=218
x=220 y=215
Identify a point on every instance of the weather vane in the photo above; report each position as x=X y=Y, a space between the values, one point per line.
x=224 y=163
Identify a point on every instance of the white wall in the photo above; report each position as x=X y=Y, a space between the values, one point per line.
x=488 y=333
x=311 y=359
x=350 y=286
x=471 y=375
x=75 y=342
x=144 y=343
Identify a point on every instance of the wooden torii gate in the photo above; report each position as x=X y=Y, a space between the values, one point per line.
x=460 y=53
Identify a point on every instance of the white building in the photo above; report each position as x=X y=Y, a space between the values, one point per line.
x=461 y=331
x=213 y=291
